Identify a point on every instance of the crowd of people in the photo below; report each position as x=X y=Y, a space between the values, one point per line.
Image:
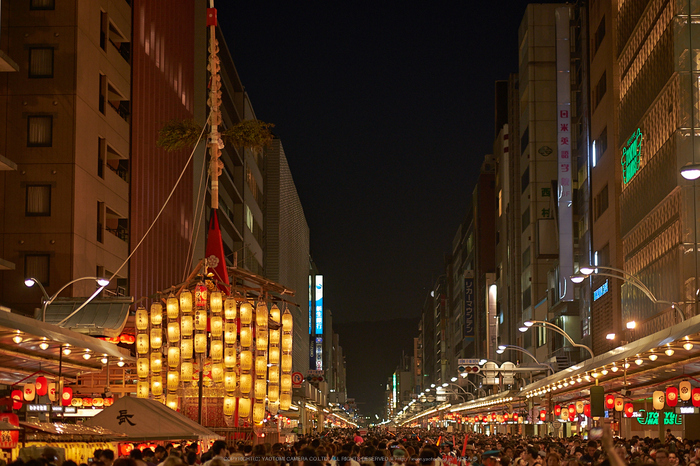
x=408 y=447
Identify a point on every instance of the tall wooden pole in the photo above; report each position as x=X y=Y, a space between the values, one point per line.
x=214 y=141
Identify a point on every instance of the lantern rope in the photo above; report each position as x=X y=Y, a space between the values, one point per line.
x=197 y=217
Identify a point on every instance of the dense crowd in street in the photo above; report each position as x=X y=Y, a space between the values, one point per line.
x=409 y=447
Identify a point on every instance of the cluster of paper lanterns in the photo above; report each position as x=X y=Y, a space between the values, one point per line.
x=493 y=417
x=41 y=387
x=243 y=351
x=670 y=397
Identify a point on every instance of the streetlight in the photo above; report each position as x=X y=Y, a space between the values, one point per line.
x=691 y=171
x=529 y=323
x=29 y=282
x=503 y=348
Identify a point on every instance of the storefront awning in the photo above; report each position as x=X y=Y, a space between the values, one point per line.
x=100 y=317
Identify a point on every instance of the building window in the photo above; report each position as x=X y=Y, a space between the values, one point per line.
x=524 y=140
x=525 y=180
x=600 y=90
x=526 y=219
x=37 y=266
x=601 y=202
x=601 y=145
x=41 y=62
x=100 y=221
x=249 y=221
x=38 y=202
x=541 y=336
x=39 y=130
x=603 y=256
x=104 y=25
x=526 y=259
x=103 y=93
x=42 y=5
x=599 y=35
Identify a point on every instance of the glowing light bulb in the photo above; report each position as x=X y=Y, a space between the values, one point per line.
x=86 y=356
x=687 y=346
x=17 y=339
x=639 y=361
x=43 y=345
x=120 y=363
x=604 y=372
x=669 y=351
x=66 y=351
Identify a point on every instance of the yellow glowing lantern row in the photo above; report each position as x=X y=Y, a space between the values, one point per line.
x=216 y=350
x=261 y=315
x=285 y=401
x=246 y=314
x=260 y=365
x=216 y=302
x=142 y=389
x=287 y=321
x=200 y=319
x=258 y=412
x=186 y=301
x=229 y=405
x=156 y=338
x=261 y=339
x=157 y=385
x=275 y=313
x=171 y=401
x=142 y=367
x=246 y=336
x=286 y=363
x=274 y=355
x=186 y=348
x=200 y=343
x=230 y=333
x=286 y=382
x=217 y=373
x=230 y=309
x=173 y=332
x=172 y=308
x=245 y=383
x=156 y=314
x=173 y=356
x=217 y=326
x=173 y=380
x=273 y=393
x=156 y=362
x=186 y=371
x=141 y=319
x=230 y=381
x=273 y=374
x=260 y=389
x=230 y=357
x=287 y=342
x=186 y=326
x=142 y=343
x=243 y=407
x=246 y=360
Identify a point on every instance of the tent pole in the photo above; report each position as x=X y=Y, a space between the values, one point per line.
x=201 y=383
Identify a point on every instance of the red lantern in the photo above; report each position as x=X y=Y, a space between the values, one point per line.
x=42 y=385
x=66 y=396
x=515 y=417
x=557 y=410
x=9 y=439
x=672 y=396
x=17 y=398
x=125 y=448
x=543 y=415
x=506 y=417
x=200 y=295
x=493 y=416
x=629 y=409
x=572 y=412
x=109 y=401
x=609 y=401
x=696 y=397
x=587 y=410
x=87 y=402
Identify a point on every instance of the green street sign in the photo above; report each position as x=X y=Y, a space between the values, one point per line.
x=631 y=154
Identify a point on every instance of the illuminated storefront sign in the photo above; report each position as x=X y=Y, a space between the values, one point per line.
x=319 y=304
x=469 y=327
x=319 y=353
x=631 y=155
x=311 y=304
x=393 y=391
x=651 y=418
x=597 y=294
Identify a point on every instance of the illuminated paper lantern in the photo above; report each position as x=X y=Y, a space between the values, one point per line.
x=273 y=393
x=200 y=343
x=246 y=360
x=66 y=396
x=572 y=413
x=246 y=337
x=260 y=389
x=186 y=371
x=245 y=383
x=557 y=410
x=171 y=401
x=230 y=381
x=506 y=417
x=156 y=314
x=216 y=302
x=261 y=339
x=286 y=362
x=186 y=348
x=658 y=400
x=200 y=295
x=186 y=301
x=275 y=314
x=230 y=333
x=543 y=415
x=142 y=367
x=217 y=372
x=229 y=405
x=243 y=407
x=629 y=409
x=173 y=380
x=217 y=326
x=564 y=413
x=156 y=362
x=173 y=356
x=77 y=402
x=173 y=332
x=200 y=319
x=273 y=407
x=672 y=396
x=274 y=355
x=261 y=314
x=609 y=401
x=99 y=402
x=156 y=338
x=684 y=390
x=186 y=326
x=29 y=391
x=157 y=385
x=108 y=401
x=619 y=404
x=42 y=385
x=261 y=365
x=273 y=373
x=230 y=357
x=230 y=308
x=246 y=315
x=142 y=343
x=287 y=341
x=579 y=407
x=142 y=389
x=285 y=401
x=17 y=398
x=695 y=396
x=286 y=382
x=287 y=321
x=587 y=410
x=141 y=318
x=171 y=308
x=515 y=417
x=87 y=402
x=53 y=394
x=216 y=350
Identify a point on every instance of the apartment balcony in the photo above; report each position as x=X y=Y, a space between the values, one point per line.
x=7 y=64
x=7 y=164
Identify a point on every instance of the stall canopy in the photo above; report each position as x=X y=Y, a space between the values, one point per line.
x=143 y=419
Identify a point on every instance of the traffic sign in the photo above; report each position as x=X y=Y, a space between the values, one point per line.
x=468 y=362
x=297 y=379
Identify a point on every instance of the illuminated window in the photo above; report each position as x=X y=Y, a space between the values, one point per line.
x=249 y=218
x=38 y=200
x=37 y=266
x=39 y=131
x=42 y=5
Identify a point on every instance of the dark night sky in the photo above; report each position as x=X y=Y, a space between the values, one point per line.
x=385 y=111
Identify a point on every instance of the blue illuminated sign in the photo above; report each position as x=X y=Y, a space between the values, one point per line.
x=311 y=304
x=597 y=294
x=319 y=304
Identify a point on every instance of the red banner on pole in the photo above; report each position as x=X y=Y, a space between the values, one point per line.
x=216 y=259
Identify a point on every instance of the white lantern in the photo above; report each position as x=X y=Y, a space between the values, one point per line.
x=245 y=383
x=230 y=309
x=260 y=390
x=258 y=412
x=186 y=348
x=216 y=302
x=658 y=399
x=261 y=339
x=286 y=363
x=274 y=355
x=217 y=326
x=157 y=385
x=246 y=337
x=186 y=325
x=186 y=371
x=287 y=321
x=243 y=407
x=246 y=316
x=156 y=362
x=684 y=390
x=286 y=382
x=173 y=356
x=261 y=365
x=171 y=401
x=230 y=357
x=273 y=374
x=229 y=405
x=287 y=342
x=173 y=380
x=285 y=401
x=273 y=408
x=173 y=332
x=216 y=350
x=156 y=314
x=142 y=389
x=200 y=343
x=142 y=367
x=230 y=332
x=172 y=308
x=246 y=360
x=141 y=318
x=261 y=315
x=275 y=313
x=217 y=372
x=230 y=381
x=200 y=319
x=273 y=393
x=142 y=343
x=156 y=338
x=186 y=301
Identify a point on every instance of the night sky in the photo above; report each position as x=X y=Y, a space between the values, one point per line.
x=385 y=112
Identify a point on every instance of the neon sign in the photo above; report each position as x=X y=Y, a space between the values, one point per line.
x=631 y=154
x=651 y=418
x=598 y=293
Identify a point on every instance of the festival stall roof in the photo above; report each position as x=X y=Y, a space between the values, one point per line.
x=143 y=419
x=19 y=360
x=72 y=432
